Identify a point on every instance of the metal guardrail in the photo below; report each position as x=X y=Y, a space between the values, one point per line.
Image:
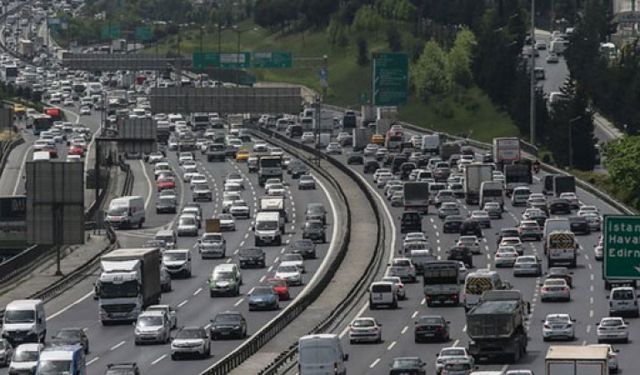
x=129 y=179
x=292 y=311
x=286 y=359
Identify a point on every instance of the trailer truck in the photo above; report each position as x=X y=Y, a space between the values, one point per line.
x=361 y=138
x=269 y=167
x=416 y=197
x=474 y=175
x=506 y=150
x=128 y=283
x=496 y=326
x=576 y=360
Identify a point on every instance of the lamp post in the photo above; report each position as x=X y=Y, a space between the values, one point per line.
x=532 y=79
x=237 y=59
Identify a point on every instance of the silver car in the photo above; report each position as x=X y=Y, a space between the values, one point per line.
x=612 y=329
x=6 y=352
x=493 y=209
x=447 y=209
x=187 y=226
x=555 y=289
x=505 y=256
x=212 y=245
x=152 y=327
x=527 y=265
x=191 y=341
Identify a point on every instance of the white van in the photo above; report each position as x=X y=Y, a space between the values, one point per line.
x=520 y=196
x=479 y=282
x=556 y=224
x=431 y=144
x=321 y=355
x=126 y=212
x=169 y=236
x=24 y=321
x=623 y=302
x=383 y=293
x=267 y=229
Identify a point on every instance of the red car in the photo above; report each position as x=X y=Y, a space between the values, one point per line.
x=166 y=183
x=76 y=150
x=281 y=288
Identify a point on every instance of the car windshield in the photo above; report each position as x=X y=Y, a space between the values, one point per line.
x=267 y=225
x=313 y=225
x=405 y=363
x=149 y=321
x=171 y=256
x=287 y=269
x=363 y=323
x=610 y=322
x=118 y=211
x=212 y=238
x=228 y=318
x=225 y=217
x=225 y=276
x=19 y=316
x=189 y=334
x=187 y=221
x=558 y=319
x=430 y=321
x=452 y=352
x=266 y=291
x=25 y=356
x=68 y=334
x=54 y=367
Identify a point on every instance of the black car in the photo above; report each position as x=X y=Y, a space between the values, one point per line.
x=579 y=225
x=507 y=232
x=371 y=166
x=314 y=230
x=405 y=169
x=316 y=211
x=297 y=168
x=166 y=204
x=431 y=328
x=228 y=324
x=407 y=366
x=397 y=162
x=355 y=158
x=122 y=369
x=410 y=221
x=251 y=257
x=462 y=254
x=559 y=206
x=71 y=336
x=305 y=247
x=452 y=224
x=470 y=227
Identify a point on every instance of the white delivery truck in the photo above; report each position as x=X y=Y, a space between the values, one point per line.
x=577 y=360
x=126 y=212
x=267 y=229
x=474 y=175
x=431 y=144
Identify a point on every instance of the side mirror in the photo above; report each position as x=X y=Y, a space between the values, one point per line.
x=573 y=320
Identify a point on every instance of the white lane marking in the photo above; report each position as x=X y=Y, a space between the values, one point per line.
x=116 y=346
x=374 y=363
x=262 y=278
x=464 y=329
x=70 y=306
x=149 y=185
x=404 y=330
x=591 y=300
x=22 y=165
x=183 y=303
x=238 y=302
x=159 y=359
x=590 y=313
x=197 y=291
x=415 y=313
x=455 y=343
x=270 y=269
x=391 y=345
x=589 y=328
x=504 y=368
x=93 y=360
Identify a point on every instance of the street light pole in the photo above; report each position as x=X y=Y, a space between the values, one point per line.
x=238 y=58
x=532 y=79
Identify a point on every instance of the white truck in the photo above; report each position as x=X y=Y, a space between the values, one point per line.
x=128 y=283
x=361 y=138
x=561 y=247
x=491 y=191
x=431 y=144
x=576 y=360
x=506 y=150
x=416 y=197
x=274 y=204
x=474 y=175
x=267 y=229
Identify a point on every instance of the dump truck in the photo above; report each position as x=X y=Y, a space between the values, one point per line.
x=441 y=282
x=577 y=360
x=416 y=197
x=128 y=283
x=474 y=175
x=496 y=326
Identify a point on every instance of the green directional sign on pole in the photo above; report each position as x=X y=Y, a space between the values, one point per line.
x=202 y=60
x=390 y=79
x=621 y=247
x=143 y=33
x=272 y=60
x=110 y=32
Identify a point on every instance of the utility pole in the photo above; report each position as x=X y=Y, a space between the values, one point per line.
x=532 y=79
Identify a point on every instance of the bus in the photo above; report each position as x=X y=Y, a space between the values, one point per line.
x=394 y=138
x=40 y=123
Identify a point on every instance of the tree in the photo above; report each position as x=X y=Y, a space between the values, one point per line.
x=394 y=39
x=363 y=51
x=429 y=76
x=367 y=20
x=460 y=57
x=621 y=161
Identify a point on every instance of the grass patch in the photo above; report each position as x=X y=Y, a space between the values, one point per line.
x=468 y=112
x=605 y=183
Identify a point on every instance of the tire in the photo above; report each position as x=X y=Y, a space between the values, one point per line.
x=211 y=294
x=173 y=357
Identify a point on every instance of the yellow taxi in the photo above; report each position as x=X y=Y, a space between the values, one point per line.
x=377 y=139
x=19 y=110
x=242 y=155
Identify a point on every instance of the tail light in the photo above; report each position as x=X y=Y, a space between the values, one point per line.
x=545 y=289
x=547 y=326
x=454 y=296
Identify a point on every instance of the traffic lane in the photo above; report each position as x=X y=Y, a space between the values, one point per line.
x=269 y=256
x=12 y=173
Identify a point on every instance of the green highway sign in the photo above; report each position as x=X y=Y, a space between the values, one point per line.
x=621 y=247
x=110 y=32
x=143 y=33
x=390 y=79
x=272 y=60
x=202 y=60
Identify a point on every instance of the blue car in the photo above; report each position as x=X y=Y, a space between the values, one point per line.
x=263 y=298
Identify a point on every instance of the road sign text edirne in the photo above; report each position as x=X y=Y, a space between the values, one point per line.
x=621 y=247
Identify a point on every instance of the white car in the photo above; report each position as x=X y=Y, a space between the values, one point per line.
x=403 y=268
x=25 y=358
x=612 y=356
x=365 y=329
x=584 y=210
x=191 y=341
x=296 y=259
x=415 y=236
x=400 y=291
x=228 y=197
x=289 y=272
x=260 y=147
x=612 y=329
x=470 y=242
x=198 y=179
x=187 y=226
x=170 y=311
x=379 y=172
x=594 y=221
x=85 y=110
x=513 y=241
x=555 y=289
x=240 y=209
x=308 y=137
x=505 y=256
x=235 y=178
x=558 y=326
x=450 y=354
x=572 y=198
x=277 y=190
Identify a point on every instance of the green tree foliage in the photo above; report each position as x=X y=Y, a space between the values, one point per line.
x=275 y=13
x=404 y=10
x=571 y=119
x=621 y=161
x=318 y=12
x=363 y=51
x=367 y=20
x=460 y=57
x=429 y=73
x=394 y=39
